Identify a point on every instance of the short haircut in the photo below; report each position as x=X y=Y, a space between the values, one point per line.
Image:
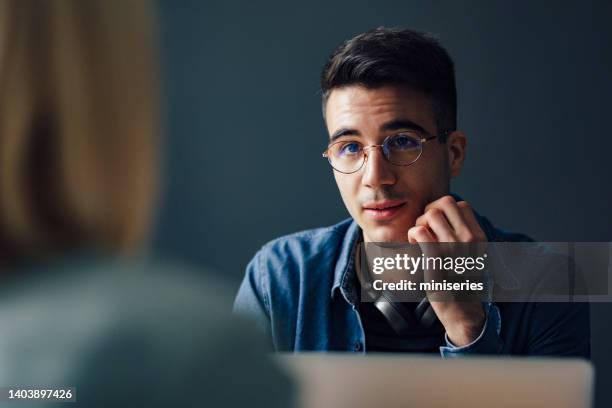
x=394 y=56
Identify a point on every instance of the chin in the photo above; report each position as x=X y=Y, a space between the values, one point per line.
x=386 y=234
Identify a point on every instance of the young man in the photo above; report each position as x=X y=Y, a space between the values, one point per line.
x=389 y=102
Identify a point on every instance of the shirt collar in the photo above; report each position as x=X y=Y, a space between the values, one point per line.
x=345 y=261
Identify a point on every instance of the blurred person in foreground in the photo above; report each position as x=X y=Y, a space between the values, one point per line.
x=80 y=305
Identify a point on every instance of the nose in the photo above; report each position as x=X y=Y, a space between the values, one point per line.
x=377 y=170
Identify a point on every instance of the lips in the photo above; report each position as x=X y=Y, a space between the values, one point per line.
x=383 y=210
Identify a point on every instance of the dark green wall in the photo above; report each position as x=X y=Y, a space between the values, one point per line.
x=244 y=132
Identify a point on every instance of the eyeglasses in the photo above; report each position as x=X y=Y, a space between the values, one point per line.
x=402 y=149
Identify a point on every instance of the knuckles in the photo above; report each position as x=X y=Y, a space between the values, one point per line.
x=429 y=214
x=441 y=202
x=463 y=205
x=435 y=210
x=417 y=230
x=417 y=233
x=447 y=200
x=434 y=213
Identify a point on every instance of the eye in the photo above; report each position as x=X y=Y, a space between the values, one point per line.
x=403 y=142
x=349 y=149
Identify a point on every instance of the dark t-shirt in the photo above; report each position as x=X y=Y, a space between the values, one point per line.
x=380 y=336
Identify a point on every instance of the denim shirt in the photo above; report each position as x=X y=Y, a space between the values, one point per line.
x=301 y=289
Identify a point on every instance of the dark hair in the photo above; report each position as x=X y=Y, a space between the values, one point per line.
x=387 y=56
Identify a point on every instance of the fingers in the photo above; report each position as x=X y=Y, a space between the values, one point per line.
x=438 y=223
x=420 y=233
x=451 y=221
x=477 y=234
x=448 y=206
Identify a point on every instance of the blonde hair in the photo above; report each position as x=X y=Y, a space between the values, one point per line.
x=77 y=125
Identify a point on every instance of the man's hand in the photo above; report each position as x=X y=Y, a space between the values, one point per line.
x=446 y=220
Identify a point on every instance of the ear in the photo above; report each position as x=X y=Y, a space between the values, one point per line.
x=456 y=145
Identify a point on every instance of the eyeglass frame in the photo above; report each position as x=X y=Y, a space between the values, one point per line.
x=441 y=137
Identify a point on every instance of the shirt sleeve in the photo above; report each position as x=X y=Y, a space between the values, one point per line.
x=488 y=342
x=251 y=301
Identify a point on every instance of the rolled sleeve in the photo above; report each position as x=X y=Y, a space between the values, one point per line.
x=488 y=342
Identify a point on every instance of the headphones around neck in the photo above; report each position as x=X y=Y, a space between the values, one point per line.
x=400 y=317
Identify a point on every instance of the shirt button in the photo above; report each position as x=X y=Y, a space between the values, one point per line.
x=357 y=346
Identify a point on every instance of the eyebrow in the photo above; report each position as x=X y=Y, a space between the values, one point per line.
x=403 y=124
x=392 y=125
x=343 y=132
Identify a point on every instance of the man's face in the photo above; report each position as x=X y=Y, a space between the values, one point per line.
x=385 y=199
